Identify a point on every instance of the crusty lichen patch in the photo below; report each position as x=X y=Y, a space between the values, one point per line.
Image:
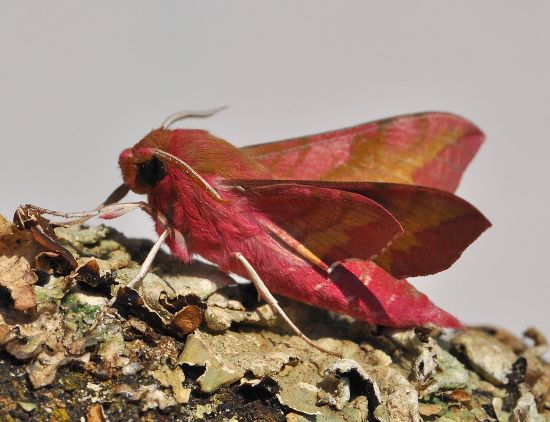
x=192 y=345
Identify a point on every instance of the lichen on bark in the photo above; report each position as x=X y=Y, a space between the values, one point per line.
x=189 y=344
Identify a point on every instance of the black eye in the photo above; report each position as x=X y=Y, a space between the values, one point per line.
x=151 y=172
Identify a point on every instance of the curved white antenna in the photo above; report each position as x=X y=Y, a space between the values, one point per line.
x=180 y=115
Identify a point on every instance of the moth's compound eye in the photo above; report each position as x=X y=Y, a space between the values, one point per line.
x=151 y=172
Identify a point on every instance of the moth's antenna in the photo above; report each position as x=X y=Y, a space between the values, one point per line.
x=180 y=115
x=168 y=158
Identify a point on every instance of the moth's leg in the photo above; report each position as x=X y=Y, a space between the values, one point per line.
x=79 y=217
x=271 y=301
x=106 y=212
x=145 y=267
x=114 y=197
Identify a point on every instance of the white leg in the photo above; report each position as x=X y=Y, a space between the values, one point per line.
x=81 y=217
x=107 y=212
x=119 y=208
x=271 y=301
x=145 y=267
x=114 y=197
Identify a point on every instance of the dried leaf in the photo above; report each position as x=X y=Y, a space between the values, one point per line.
x=188 y=319
x=458 y=396
x=4 y=331
x=537 y=336
x=52 y=263
x=17 y=251
x=429 y=409
x=93 y=272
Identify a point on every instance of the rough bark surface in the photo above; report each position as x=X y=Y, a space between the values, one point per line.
x=189 y=344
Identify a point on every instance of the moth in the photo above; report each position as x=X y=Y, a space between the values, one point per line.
x=336 y=220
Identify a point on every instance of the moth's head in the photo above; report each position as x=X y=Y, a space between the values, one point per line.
x=197 y=154
x=144 y=165
x=141 y=167
x=151 y=160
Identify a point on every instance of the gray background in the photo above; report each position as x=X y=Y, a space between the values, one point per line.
x=80 y=82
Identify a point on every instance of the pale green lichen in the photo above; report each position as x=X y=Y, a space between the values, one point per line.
x=391 y=375
x=173 y=378
x=490 y=358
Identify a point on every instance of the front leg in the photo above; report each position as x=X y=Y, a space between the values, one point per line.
x=114 y=197
x=107 y=212
x=145 y=267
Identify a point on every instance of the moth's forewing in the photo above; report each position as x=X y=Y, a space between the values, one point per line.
x=429 y=149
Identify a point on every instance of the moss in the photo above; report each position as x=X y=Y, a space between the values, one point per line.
x=81 y=314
